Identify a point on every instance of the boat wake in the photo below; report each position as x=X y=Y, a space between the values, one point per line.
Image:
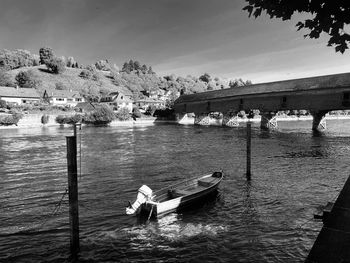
x=160 y=234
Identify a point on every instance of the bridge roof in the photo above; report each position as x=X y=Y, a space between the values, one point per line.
x=285 y=86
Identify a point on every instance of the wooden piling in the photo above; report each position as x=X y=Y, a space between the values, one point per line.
x=249 y=128
x=73 y=195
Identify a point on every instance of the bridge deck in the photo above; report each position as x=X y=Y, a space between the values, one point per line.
x=294 y=85
x=326 y=93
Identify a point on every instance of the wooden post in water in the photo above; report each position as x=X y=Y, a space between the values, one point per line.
x=73 y=195
x=249 y=128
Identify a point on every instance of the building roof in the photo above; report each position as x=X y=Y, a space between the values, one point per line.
x=19 y=92
x=117 y=97
x=285 y=86
x=63 y=94
x=86 y=106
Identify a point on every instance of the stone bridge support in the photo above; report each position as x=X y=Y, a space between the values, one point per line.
x=180 y=117
x=183 y=118
x=230 y=121
x=318 y=121
x=202 y=119
x=268 y=120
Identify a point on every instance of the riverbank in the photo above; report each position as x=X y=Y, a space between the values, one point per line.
x=34 y=121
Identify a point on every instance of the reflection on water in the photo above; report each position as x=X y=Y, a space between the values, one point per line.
x=294 y=171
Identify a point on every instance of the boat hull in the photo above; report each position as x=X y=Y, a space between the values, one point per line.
x=198 y=196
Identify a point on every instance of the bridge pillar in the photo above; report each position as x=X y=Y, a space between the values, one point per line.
x=230 y=121
x=268 y=120
x=318 y=120
x=202 y=119
x=183 y=118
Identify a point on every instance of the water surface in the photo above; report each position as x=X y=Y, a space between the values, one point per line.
x=294 y=171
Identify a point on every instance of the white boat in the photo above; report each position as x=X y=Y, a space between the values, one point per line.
x=174 y=197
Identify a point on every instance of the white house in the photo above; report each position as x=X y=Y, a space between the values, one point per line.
x=63 y=97
x=118 y=100
x=19 y=95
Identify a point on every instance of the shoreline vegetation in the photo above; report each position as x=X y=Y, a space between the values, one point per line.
x=36 y=121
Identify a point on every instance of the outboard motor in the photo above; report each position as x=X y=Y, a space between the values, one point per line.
x=144 y=194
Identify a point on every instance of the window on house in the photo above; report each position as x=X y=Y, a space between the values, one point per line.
x=69 y=99
x=60 y=99
x=78 y=99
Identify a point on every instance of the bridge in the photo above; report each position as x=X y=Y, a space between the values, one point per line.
x=318 y=95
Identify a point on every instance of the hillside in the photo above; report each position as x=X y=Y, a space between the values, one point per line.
x=70 y=79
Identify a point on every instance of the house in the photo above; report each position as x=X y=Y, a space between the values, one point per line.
x=19 y=95
x=168 y=95
x=63 y=97
x=118 y=100
x=145 y=103
x=152 y=94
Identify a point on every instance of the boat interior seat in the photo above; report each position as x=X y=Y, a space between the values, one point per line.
x=206 y=182
x=174 y=193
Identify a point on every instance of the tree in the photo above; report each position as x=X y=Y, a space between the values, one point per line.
x=327 y=17
x=16 y=59
x=239 y=82
x=137 y=65
x=5 y=79
x=144 y=69
x=27 y=79
x=102 y=114
x=131 y=65
x=70 y=62
x=123 y=114
x=103 y=65
x=45 y=53
x=205 y=77
x=150 y=70
x=126 y=67
x=56 y=65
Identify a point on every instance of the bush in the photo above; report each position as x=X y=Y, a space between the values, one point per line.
x=136 y=112
x=28 y=79
x=69 y=119
x=85 y=74
x=45 y=119
x=150 y=110
x=12 y=119
x=60 y=86
x=3 y=104
x=101 y=115
x=56 y=65
x=123 y=114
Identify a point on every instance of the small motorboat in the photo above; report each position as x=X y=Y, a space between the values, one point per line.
x=174 y=197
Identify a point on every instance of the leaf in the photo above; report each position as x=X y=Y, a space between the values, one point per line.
x=300 y=25
x=314 y=34
x=257 y=12
x=249 y=9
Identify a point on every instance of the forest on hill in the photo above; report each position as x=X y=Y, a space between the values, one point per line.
x=46 y=71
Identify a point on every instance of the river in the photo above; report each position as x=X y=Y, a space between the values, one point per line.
x=294 y=172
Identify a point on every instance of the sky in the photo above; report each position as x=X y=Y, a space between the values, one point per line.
x=181 y=37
